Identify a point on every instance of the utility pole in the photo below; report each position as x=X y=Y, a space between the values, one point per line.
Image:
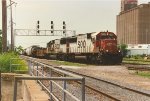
x=4 y=26
x=11 y=21
x=11 y=24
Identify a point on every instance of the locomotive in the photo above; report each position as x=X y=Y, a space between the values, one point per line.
x=95 y=47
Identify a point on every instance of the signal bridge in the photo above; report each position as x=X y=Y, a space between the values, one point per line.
x=33 y=32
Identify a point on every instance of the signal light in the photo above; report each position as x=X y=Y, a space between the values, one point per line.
x=64 y=27
x=64 y=32
x=38 y=22
x=38 y=31
x=38 y=26
x=63 y=22
x=52 y=27
x=51 y=22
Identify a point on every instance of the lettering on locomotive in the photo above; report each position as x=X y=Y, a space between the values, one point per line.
x=82 y=44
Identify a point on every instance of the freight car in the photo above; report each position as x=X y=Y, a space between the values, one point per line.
x=35 y=51
x=94 y=47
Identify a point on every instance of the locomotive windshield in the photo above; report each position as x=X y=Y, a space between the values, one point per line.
x=105 y=35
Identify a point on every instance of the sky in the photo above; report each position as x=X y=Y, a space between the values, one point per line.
x=81 y=15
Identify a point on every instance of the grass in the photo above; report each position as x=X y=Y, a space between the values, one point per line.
x=144 y=74
x=5 y=62
x=136 y=61
x=68 y=63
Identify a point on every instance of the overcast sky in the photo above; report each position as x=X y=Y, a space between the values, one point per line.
x=80 y=15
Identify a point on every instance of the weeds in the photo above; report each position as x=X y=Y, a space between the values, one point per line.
x=5 y=62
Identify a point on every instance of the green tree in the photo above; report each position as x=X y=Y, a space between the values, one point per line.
x=123 y=48
x=19 y=49
x=0 y=40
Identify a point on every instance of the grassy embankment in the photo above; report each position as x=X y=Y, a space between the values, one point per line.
x=5 y=63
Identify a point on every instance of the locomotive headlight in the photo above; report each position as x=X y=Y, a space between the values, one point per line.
x=106 y=50
x=119 y=51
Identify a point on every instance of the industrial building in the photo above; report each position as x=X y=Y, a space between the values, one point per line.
x=138 y=49
x=133 y=23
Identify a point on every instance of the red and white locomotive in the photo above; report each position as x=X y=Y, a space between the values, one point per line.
x=95 y=47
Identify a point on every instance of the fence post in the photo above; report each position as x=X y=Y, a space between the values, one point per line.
x=0 y=87
x=29 y=66
x=83 y=89
x=15 y=90
x=32 y=70
x=37 y=70
x=64 y=88
x=43 y=71
x=51 y=85
x=10 y=65
x=42 y=75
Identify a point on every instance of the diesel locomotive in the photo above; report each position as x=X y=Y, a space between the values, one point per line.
x=95 y=47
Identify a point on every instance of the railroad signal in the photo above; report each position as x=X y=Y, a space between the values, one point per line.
x=64 y=27
x=38 y=26
x=52 y=27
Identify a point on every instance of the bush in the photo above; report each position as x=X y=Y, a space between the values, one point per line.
x=5 y=62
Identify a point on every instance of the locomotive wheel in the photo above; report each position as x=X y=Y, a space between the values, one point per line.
x=104 y=60
x=64 y=57
x=72 y=57
x=94 y=59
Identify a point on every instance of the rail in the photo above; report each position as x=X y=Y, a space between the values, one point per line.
x=37 y=72
x=137 y=69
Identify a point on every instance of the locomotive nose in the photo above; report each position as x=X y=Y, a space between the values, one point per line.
x=110 y=46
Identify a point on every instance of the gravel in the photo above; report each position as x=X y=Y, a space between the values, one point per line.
x=116 y=74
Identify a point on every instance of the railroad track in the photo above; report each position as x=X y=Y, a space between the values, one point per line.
x=137 y=67
x=110 y=83
x=105 y=92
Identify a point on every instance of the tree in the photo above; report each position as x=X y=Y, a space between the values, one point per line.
x=0 y=40
x=19 y=49
x=123 y=48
